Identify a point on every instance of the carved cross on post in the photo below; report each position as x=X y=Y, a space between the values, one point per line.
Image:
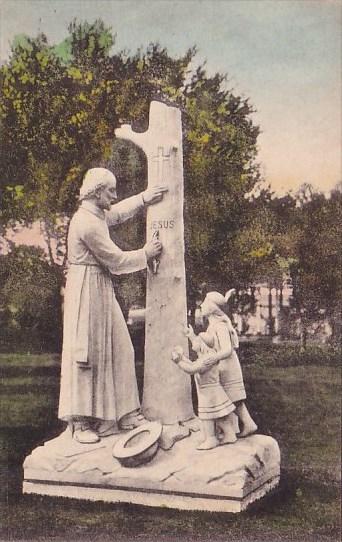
x=160 y=159
x=167 y=391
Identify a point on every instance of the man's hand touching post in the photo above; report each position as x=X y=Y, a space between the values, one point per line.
x=153 y=249
x=154 y=194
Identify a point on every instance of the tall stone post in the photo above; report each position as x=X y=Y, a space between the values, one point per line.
x=167 y=390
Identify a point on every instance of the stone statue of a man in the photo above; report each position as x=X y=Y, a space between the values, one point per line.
x=98 y=382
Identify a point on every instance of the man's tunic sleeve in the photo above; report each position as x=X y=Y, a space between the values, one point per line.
x=96 y=238
x=125 y=209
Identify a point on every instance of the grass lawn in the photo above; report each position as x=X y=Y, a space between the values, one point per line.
x=296 y=403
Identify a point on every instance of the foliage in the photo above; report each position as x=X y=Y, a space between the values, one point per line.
x=317 y=270
x=29 y=293
x=265 y=245
x=59 y=110
x=289 y=355
x=299 y=237
x=219 y=162
x=57 y=119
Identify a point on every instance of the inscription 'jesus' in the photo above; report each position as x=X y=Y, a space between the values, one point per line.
x=162 y=224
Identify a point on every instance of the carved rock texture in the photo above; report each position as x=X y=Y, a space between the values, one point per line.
x=230 y=476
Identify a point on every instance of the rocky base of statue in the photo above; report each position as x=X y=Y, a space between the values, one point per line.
x=227 y=478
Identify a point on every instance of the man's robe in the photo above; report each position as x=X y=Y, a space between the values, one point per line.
x=98 y=372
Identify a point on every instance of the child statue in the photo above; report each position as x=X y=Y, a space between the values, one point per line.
x=218 y=376
x=213 y=403
x=225 y=342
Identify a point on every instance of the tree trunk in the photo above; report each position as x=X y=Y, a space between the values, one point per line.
x=270 y=314
x=47 y=238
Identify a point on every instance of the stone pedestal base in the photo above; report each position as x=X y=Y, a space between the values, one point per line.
x=225 y=479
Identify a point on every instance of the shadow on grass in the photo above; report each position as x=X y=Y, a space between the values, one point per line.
x=286 y=513
x=16 y=443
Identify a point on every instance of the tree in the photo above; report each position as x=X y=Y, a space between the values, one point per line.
x=59 y=115
x=57 y=119
x=29 y=299
x=317 y=269
x=296 y=236
x=59 y=108
x=219 y=161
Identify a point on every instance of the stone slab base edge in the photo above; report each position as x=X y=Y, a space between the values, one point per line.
x=149 y=497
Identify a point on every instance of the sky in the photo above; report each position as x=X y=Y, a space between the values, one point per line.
x=284 y=55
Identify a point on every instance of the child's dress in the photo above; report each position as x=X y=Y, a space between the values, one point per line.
x=230 y=374
x=213 y=401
